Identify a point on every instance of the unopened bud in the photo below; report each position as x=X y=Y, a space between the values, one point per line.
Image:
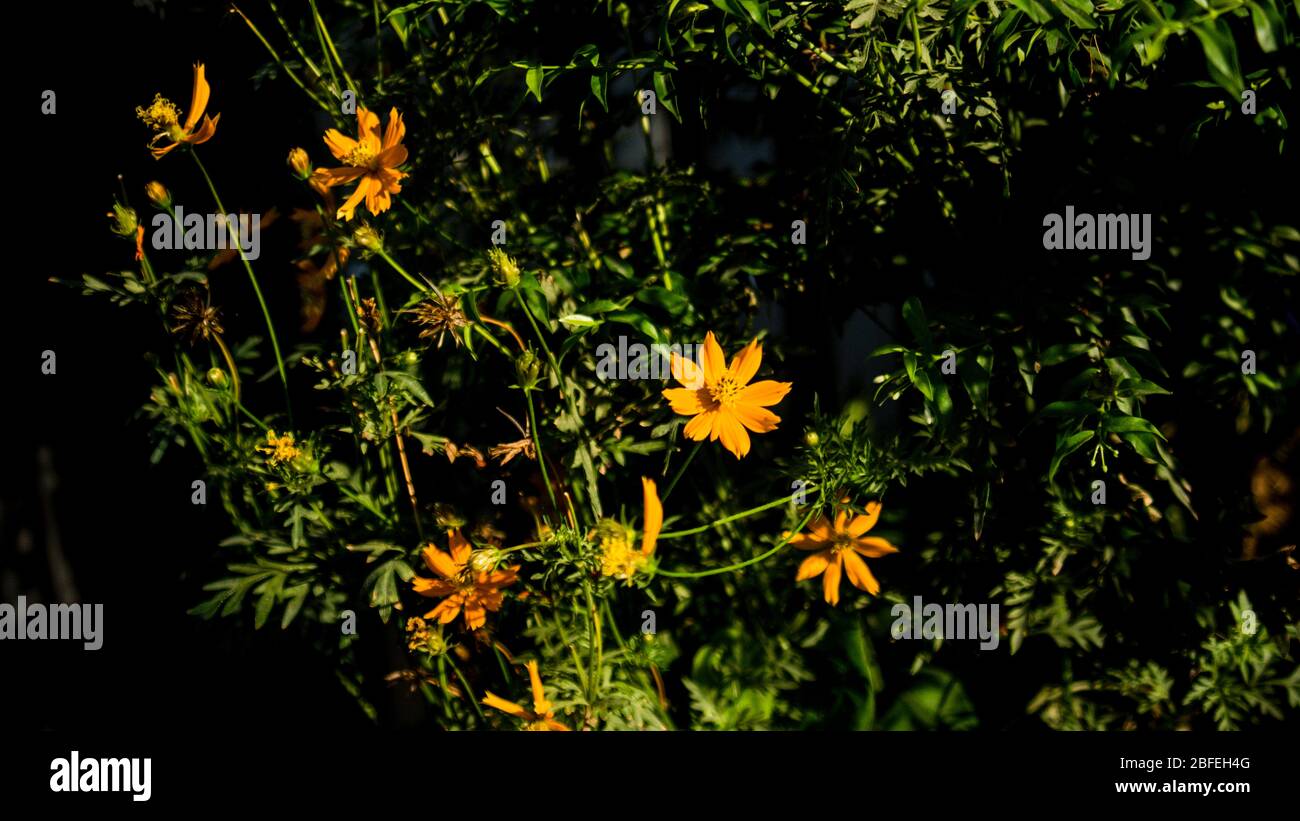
x=299 y=163
x=158 y=195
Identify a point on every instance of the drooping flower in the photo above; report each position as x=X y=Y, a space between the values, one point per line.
x=721 y=398
x=538 y=718
x=837 y=547
x=164 y=118
x=619 y=559
x=370 y=160
x=461 y=586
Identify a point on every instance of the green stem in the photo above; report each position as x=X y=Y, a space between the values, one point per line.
x=420 y=286
x=677 y=534
x=261 y=301
x=699 y=574
x=469 y=691
x=537 y=445
x=681 y=470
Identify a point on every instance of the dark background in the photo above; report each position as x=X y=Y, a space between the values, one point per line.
x=127 y=528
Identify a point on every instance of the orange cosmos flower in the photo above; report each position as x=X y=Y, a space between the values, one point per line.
x=838 y=548
x=538 y=718
x=721 y=398
x=369 y=159
x=164 y=118
x=461 y=586
x=618 y=558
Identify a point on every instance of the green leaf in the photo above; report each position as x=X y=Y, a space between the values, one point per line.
x=914 y=316
x=1066 y=446
x=533 y=77
x=1116 y=423
x=1220 y=54
x=1138 y=387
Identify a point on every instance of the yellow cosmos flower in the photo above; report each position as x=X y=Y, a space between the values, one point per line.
x=721 y=398
x=461 y=586
x=279 y=449
x=538 y=718
x=837 y=549
x=165 y=119
x=371 y=160
x=620 y=560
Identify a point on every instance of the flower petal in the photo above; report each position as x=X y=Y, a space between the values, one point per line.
x=763 y=393
x=756 y=418
x=394 y=133
x=368 y=129
x=813 y=566
x=475 y=614
x=349 y=207
x=653 y=519
x=831 y=580
x=439 y=562
x=540 y=704
x=873 y=548
x=508 y=707
x=339 y=144
x=198 y=99
x=686 y=371
x=686 y=401
x=861 y=524
x=701 y=426
x=859 y=574
x=733 y=434
x=433 y=588
x=392 y=156
x=460 y=547
x=205 y=131
x=337 y=176
x=745 y=363
x=714 y=360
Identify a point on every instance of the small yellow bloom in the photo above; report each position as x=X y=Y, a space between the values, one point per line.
x=279 y=449
x=721 y=398
x=837 y=549
x=370 y=159
x=620 y=560
x=538 y=718
x=164 y=117
x=461 y=586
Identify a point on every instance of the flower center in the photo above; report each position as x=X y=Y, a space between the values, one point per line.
x=725 y=391
x=162 y=115
x=360 y=157
x=841 y=542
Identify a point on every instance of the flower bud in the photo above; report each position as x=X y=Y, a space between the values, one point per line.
x=528 y=367
x=485 y=560
x=217 y=377
x=368 y=238
x=124 y=220
x=811 y=438
x=504 y=269
x=299 y=163
x=158 y=195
